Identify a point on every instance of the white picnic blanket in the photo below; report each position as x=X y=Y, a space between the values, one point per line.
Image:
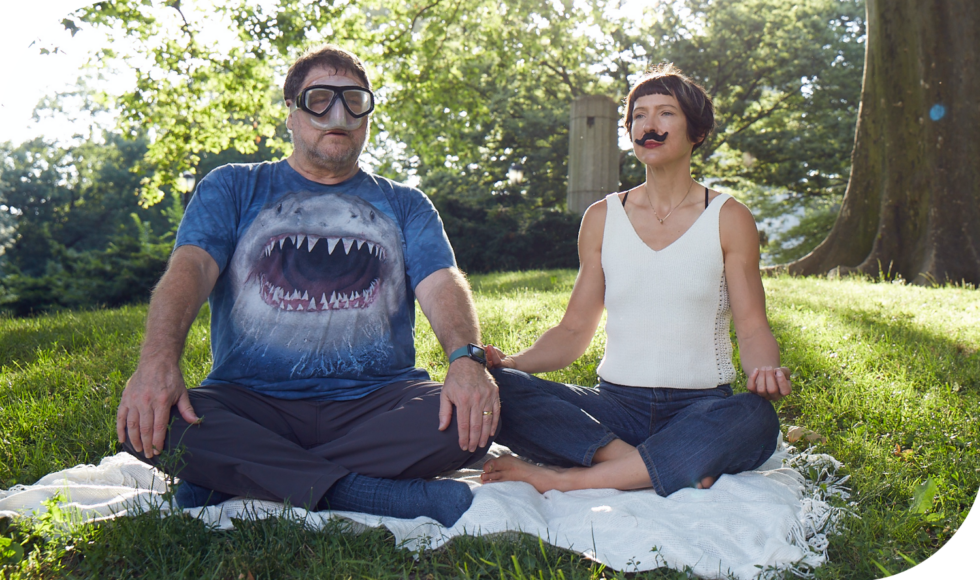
x=749 y=525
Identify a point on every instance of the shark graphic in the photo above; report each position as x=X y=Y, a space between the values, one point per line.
x=317 y=278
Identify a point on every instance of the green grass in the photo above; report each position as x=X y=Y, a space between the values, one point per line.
x=890 y=374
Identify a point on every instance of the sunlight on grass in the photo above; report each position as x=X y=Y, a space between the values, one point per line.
x=889 y=374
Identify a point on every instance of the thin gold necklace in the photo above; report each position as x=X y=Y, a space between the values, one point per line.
x=650 y=203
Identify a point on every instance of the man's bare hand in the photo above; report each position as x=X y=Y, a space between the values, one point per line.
x=769 y=383
x=144 y=409
x=471 y=389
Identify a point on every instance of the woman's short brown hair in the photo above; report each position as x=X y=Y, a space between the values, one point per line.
x=666 y=79
x=326 y=56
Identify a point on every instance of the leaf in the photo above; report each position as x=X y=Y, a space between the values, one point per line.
x=795 y=433
x=880 y=567
x=923 y=496
x=70 y=26
x=907 y=559
x=11 y=552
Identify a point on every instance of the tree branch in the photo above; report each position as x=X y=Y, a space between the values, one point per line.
x=756 y=118
x=186 y=27
x=450 y=19
x=415 y=19
x=566 y=78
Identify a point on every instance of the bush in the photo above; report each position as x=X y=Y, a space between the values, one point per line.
x=499 y=238
x=123 y=273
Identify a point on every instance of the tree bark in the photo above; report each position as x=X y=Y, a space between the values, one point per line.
x=912 y=205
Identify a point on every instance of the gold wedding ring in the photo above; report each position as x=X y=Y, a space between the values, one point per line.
x=488 y=412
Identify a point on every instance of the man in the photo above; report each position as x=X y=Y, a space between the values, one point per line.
x=311 y=266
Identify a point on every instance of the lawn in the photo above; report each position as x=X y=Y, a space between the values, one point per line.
x=888 y=373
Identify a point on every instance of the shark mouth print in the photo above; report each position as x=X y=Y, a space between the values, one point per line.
x=317 y=280
x=310 y=273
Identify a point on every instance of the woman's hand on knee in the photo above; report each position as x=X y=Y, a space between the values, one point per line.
x=769 y=383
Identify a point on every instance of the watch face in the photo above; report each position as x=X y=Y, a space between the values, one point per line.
x=477 y=353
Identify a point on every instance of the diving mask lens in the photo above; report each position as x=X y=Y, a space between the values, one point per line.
x=317 y=100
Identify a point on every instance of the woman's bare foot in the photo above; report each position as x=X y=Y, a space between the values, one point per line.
x=706 y=483
x=510 y=468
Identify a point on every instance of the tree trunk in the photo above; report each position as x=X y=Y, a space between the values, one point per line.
x=912 y=205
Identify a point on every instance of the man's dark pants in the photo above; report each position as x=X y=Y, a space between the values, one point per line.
x=294 y=451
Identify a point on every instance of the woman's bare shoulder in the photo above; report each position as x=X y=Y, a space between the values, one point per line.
x=593 y=225
x=595 y=215
x=737 y=225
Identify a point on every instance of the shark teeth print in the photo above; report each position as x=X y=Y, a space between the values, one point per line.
x=309 y=241
x=294 y=301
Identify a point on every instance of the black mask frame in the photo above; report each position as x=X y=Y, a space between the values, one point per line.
x=301 y=99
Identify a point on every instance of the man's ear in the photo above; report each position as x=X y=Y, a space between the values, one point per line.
x=289 y=117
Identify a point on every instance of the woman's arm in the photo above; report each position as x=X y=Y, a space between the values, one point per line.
x=756 y=344
x=562 y=345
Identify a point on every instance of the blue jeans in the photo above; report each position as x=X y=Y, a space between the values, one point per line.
x=683 y=435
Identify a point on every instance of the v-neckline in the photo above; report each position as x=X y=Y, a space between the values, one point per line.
x=679 y=238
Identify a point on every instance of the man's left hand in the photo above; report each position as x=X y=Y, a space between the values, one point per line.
x=471 y=389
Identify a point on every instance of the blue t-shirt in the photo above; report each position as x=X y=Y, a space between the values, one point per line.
x=315 y=299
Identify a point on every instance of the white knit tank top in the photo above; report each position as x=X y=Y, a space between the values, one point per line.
x=668 y=313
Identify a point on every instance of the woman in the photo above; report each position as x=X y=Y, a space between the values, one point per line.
x=673 y=263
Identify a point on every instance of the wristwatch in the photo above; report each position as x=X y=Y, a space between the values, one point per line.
x=471 y=350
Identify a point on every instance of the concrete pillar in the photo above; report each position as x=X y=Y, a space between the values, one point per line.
x=593 y=151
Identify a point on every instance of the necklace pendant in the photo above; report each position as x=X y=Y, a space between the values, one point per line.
x=661 y=221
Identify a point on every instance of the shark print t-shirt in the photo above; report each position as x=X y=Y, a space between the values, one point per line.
x=315 y=299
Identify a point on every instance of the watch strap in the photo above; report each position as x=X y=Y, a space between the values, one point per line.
x=459 y=353
x=467 y=350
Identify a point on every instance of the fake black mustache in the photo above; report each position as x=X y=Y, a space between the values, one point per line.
x=652 y=135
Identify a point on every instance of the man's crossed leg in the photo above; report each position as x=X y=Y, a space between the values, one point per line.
x=371 y=454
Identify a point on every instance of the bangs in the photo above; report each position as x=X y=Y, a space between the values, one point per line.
x=654 y=86
x=693 y=100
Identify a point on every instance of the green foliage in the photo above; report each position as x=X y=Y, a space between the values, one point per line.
x=126 y=271
x=506 y=235
x=468 y=89
x=71 y=198
x=776 y=210
x=923 y=496
x=72 y=231
x=11 y=548
x=79 y=238
x=194 y=96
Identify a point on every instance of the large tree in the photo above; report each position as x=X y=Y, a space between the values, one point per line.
x=912 y=206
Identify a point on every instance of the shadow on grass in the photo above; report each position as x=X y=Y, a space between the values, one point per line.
x=23 y=341
x=535 y=280
x=927 y=355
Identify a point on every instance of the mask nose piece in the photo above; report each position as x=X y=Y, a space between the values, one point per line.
x=336 y=118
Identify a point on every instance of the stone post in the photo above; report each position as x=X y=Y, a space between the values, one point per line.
x=593 y=151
